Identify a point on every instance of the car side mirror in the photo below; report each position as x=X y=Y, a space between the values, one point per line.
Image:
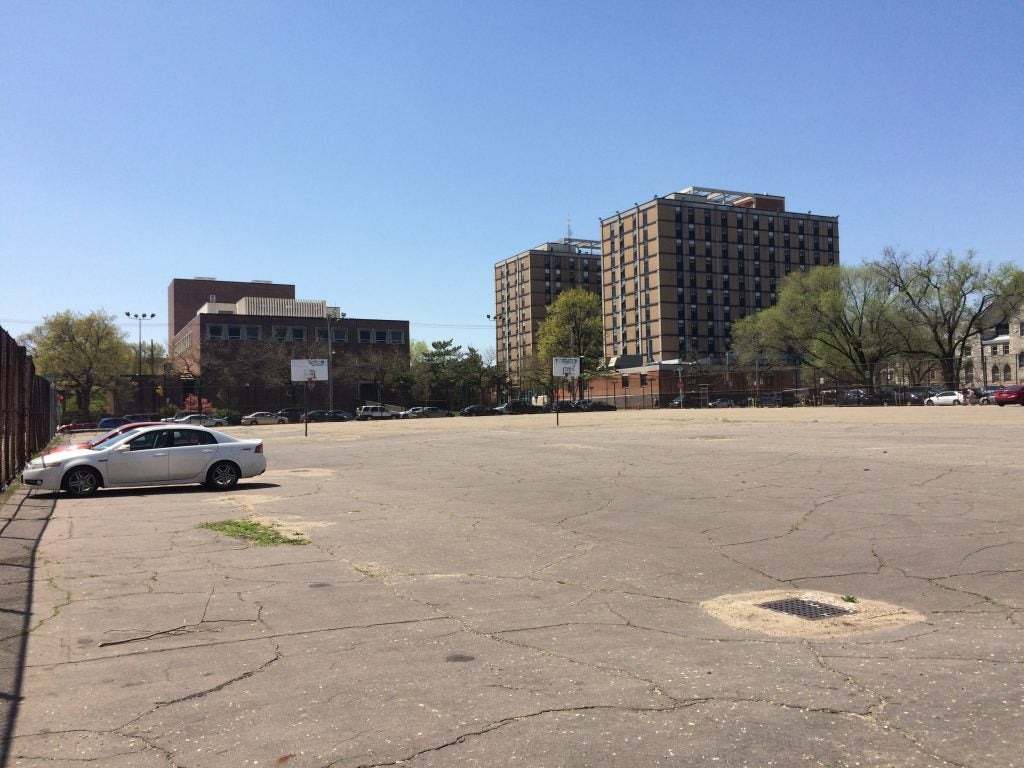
x=123 y=448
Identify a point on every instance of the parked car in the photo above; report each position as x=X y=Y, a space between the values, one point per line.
x=594 y=405
x=263 y=417
x=374 y=413
x=917 y=395
x=202 y=420
x=477 y=410
x=78 y=425
x=985 y=395
x=946 y=397
x=110 y=422
x=1010 y=395
x=518 y=406
x=561 y=406
x=162 y=454
x=428 y=412
x=140 y=418
x=721 y=402
x=314 y=416
x=849 y=397
x=291 y=415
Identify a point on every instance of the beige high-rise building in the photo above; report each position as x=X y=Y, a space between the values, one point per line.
x=524 y=286
x=679 y=270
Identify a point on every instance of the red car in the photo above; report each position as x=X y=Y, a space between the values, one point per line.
x=1010 y=395
x=103 y=438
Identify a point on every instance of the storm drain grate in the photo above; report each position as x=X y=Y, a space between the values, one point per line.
x=805 y=609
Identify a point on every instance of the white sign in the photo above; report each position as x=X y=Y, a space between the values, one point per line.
x=566 y=367
x=309 y=370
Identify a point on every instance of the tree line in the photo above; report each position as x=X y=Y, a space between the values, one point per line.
x=916 y=313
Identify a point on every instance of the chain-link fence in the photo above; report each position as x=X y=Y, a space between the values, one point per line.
x=27 y=412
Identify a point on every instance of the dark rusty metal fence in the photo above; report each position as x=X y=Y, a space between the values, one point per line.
x=27 y=409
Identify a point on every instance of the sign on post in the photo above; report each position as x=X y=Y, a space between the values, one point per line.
x=565 y=367
x=309 y=370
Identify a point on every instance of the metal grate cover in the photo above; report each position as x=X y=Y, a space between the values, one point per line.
x=805 y=609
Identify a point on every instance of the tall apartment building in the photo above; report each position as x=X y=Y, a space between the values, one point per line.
x=679 y=270
x=524 y=286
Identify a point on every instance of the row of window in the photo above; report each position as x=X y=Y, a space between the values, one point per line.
x=230 y=332
x=997 y=374
x=739 y=221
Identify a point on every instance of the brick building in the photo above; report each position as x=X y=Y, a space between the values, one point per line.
x=235 y=339
x=679 y=270
x=524 y=286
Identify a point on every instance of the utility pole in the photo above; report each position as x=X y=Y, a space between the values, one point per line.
x=140 y=316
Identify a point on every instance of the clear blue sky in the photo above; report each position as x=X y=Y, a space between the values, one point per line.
x=383 y=156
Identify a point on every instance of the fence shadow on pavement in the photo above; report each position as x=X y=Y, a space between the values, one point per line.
x=23 y=519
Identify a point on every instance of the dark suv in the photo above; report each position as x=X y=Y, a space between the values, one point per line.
x=292 y=414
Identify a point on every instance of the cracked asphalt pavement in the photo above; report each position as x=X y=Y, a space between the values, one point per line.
x=504 y=591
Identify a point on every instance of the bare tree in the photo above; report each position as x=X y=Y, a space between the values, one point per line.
x=944 y=300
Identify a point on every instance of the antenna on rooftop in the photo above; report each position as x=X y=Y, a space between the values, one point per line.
x=568 y=226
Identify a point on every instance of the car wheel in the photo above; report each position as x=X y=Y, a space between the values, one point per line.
x=81 y=481
x=927 y=402
x=282 y=421
x=222 y=476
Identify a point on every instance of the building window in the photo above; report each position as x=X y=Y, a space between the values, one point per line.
x=253 y=333
x=1007 y=373
x=396 y=337
x=215 y=332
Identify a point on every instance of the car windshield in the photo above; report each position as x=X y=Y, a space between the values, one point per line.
x=104 y=441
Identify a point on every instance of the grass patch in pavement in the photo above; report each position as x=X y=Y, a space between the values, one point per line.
x=259 y=534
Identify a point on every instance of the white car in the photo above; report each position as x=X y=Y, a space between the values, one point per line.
x=374 y=412
x=949 y=397
x=201 y=420
x=264 y=417
x=165 y=454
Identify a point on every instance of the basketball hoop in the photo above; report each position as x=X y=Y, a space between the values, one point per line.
x=311 y=380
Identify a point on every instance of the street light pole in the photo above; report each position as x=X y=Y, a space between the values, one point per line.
x=140 y=316
x=330 y=357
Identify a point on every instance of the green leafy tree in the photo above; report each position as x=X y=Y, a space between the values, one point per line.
x=82 y=352
x=945 y=299
x=573 y=328
x=441 y=363
x=829 y=317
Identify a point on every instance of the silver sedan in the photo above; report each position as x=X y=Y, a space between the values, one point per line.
x=158 y=455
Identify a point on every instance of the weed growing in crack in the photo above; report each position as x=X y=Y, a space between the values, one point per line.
x=259 y=534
